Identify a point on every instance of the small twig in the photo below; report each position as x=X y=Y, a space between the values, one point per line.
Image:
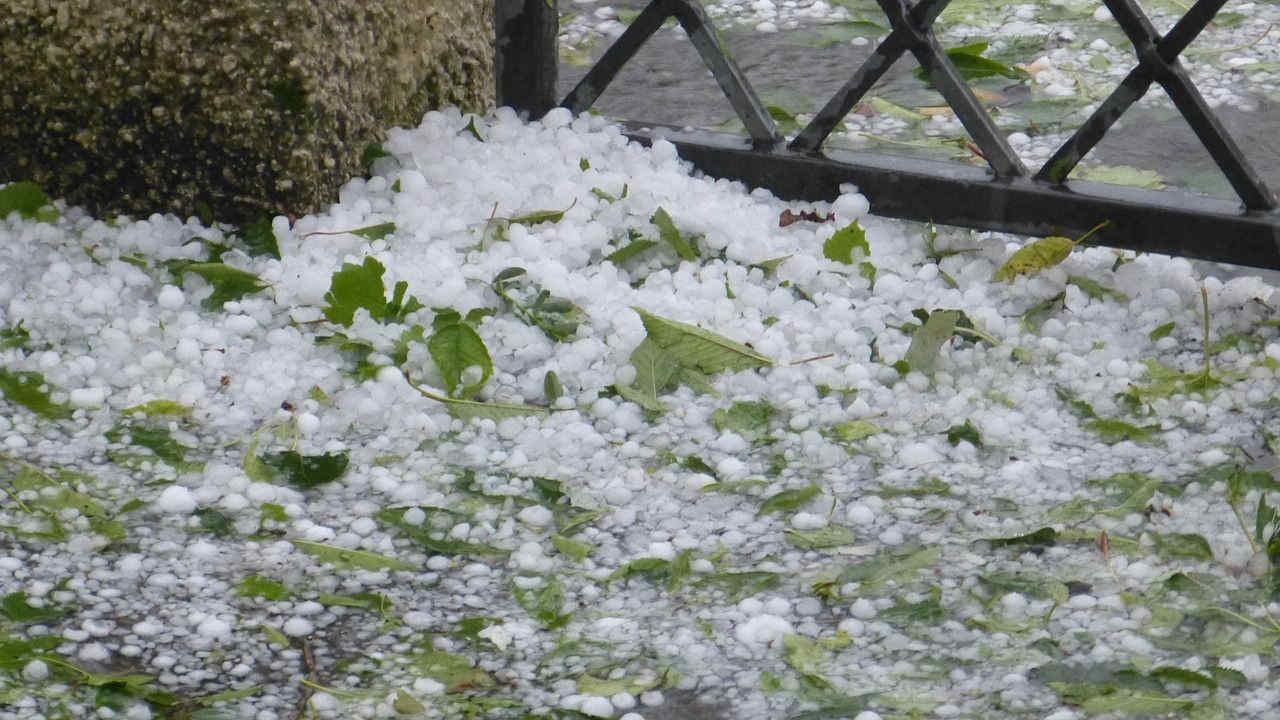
x=484 y=234
x=1204 y=300
x=308 y=664
x=824 y=356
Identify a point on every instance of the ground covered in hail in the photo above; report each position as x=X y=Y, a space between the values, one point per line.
x=534 y=421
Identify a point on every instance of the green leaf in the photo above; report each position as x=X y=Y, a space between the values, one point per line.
x=589 y=685
x=264 y=587
x=1095 y=289
x=27 y=390
x=1114 y=431
x=14 y=654
x=15 y=607
x=471 y=409
x=540 y=216
x=1162 y=331
x=455 y=672
x=1079 y=407
x=1040 y=255
x=476 y=316
x=1044 y=537
x=1025 y=583
x=214 y=521
x=1122 y=175
x=584 y=164
x=806 y=657
x=971 y=64
x=880 y=106
x=1264 y=516
x=158 y=408
x=471 y=128
x=275 y=636
x=891 y=565
x=470 y=627
x=788 y=500
x=868 y=271
x=744 y=418
x=260 y=239
x=820 y=538
x=1182 y=545
x=1035 y=315
x=927 y=342
x=423 y=533
x=829 y=34
x=651 y=568
x=697 y=464
x=697 y=348
x=131 y=505
x=455 y=348
x=371 y=153
x=355 y=349
x=928 y=611
x=1132 y=703
x=853 y=431
x=840 y=246
x=551 y=386
x=23 y=197
x=406 y=704
x=399 y=307
x=374 y=232
x=1182 y=676
x=550 y=492
x=556 y=316
x=307 y=471
x=544 y=603
x=371 y=601
x=785 y=118
x=572 y=549
x=770 y=266
x=668 y=232
x=1228 y=677
x=14 y=337
x=228 y=283
x=695 y=380
x=837 y=707
x=227 y=696
x=155 y=438
x=928 y=486
x=354 y=287
x=965 y=432
x=737 y=585
x=256 y=470
x=400 y=354
x=349 y=558
x=655 y=370
x=630 y=250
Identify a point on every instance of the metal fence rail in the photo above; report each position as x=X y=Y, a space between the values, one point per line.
x=1003 y=197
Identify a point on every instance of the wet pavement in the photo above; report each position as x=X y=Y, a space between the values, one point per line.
x=666 y=83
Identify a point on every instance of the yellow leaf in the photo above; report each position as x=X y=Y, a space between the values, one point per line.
x=1041 y=254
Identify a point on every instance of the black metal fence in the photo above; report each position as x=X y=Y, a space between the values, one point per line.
x=1005 y=196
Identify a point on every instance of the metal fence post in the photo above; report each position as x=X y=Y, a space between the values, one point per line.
x=525 y=54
